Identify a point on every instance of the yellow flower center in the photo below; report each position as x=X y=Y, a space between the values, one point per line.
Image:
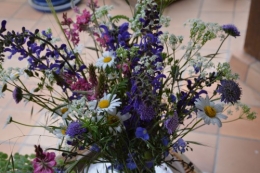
x=107 y=59
x=112 y=120
x=103 y=103
x=210 y=111
x=63 y=131
x=63 y=110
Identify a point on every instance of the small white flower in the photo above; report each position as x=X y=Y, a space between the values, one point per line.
x=107 y=103
x=14 y=75
x=78 y=48
x=112 y=76
x=60 y=132
x=8 y=121
x=108 y=59
x=209 y=111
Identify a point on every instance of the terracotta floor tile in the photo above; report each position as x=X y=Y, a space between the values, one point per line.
x=249 y=96
x=238 y=155
x=28 y=13
x=242 y=128
x=218 y=5
x=238 y=42
x=202 y=156
x=242 y=5
x=9 y=148
x=216 y=17
x=13 y=130
x=8 y=9
x=17 y=24
x=185 y=5
x=179 y=18
x=241 y=20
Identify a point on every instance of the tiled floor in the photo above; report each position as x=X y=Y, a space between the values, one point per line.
x=232 y=149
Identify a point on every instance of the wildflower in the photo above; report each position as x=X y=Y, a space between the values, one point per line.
x=145 y=111
x=179 y=145
x=172 y=98
x=95 y=148
x=107 y=60
x=107 y=103
x=14 y=75
x=116 y=121
x=113 y=75
x=210 y=112
x=231 y=30
x=8 y=121
x=130 y=162
x=230 y=91
x=44 y=161
x=17 y=94
x=61 y=132
x=142 y=133
x=172 y=123
x=75 y=129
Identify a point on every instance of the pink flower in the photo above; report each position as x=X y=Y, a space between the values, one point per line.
x=102 y=40
x=125 y=68
x=82 y=21
x=44 y=161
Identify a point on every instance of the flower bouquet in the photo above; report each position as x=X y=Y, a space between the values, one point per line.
x=127 y=109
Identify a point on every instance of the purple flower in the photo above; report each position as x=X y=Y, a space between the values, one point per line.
x=230 y=91
x=131 y=165
x=17 y=94
x=179 y=145
x=3 y=23
x=44 y=161
x=141 y=133
x=172 y=98
x=146 y=112
x=95 y=148
x=231 y=30
x=172 y=123
x=130 y=162
x=75 y=129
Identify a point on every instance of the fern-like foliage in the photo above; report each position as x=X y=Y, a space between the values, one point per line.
x=117 y=18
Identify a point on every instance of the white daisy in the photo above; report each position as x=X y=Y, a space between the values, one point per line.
x=8 y=121
x=108 y=103
x=209 y=111
x=61 y=131
x=108 y=59
x=115 y=121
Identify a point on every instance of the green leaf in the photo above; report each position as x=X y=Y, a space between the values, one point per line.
x=4 y=88
x=29 y=73
x=118 y=17
x=92 y=48
x=196 y=143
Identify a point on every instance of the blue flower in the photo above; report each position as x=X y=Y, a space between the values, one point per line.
x=172 y=123
x=75 y=129
x=165 y=141
x=231 y=30
x=179 y=145
x=141 y=133
x=230 y=91
x=95 y=148
x=130 y=162
x=146 y=112
x=172 y=98
x=3 y=23
x=17 y=94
